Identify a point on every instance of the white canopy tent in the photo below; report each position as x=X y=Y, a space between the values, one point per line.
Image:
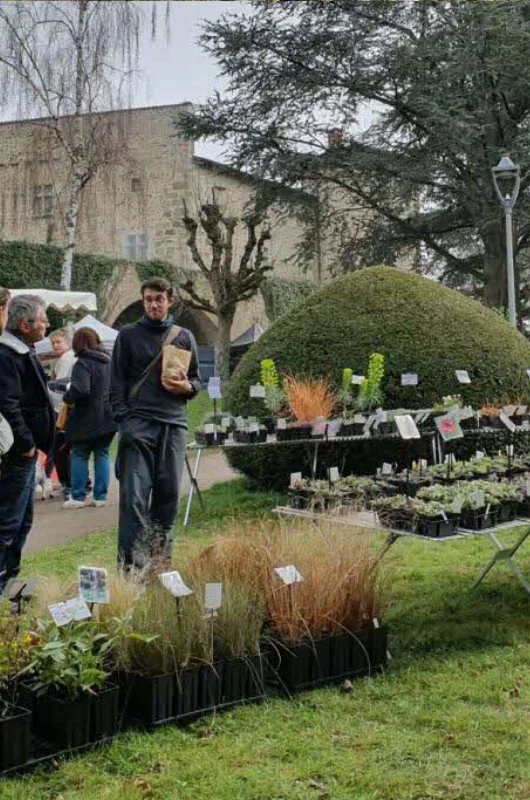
x=62 y=302
x=106 y=334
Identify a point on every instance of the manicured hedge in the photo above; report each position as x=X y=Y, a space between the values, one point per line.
x=418 y=324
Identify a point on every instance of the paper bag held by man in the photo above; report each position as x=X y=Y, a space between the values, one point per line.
x=175 y=361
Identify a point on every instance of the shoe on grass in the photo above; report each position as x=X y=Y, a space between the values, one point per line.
x=71 y=503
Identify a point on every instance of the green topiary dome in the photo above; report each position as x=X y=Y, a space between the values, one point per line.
x=418 y=324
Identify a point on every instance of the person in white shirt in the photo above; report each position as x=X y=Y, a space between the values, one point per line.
x=60 y=457
x=65 y=355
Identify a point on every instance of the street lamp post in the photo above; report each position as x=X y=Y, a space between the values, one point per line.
x=507 y=176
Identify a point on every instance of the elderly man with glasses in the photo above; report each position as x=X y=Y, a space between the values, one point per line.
x=25 y=404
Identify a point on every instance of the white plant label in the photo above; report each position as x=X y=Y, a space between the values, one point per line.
x=257 y=391
x=386 y=469
x=334 y=427
x=382 y=417
x=73 y=610
x=521 y=410
x=528 y=487
x=358 y=419
x=510 y=411
x=456 y=506
x=505 y=419
x=479 y=498
x=172 y=581
x=288 y=574
x=465 y=413
x=225 y=422
x=409 y=379
x=480 y=454
x=358 y=379
x=462 y=376
x=214 y=389
x=423 y=463
x=334 y=474
x=253 y=427
x=240 y=423
x=281 y=424
x=509 y=450
x=295 y=480
x=528 y=372
x=213 y=596
x=407 y=427
x=319 y=428
x=209 y=427
x=93 y=584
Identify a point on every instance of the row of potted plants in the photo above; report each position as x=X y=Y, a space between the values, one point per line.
x=148 y=657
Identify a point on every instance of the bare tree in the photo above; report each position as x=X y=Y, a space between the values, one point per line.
x=65 y=62
x=230 y=280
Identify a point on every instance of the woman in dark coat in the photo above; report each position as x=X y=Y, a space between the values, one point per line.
x=90 y=426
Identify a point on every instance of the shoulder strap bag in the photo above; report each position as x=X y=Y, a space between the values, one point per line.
x=172 y=334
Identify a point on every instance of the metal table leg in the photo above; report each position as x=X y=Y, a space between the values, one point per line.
x=194 y=486
x=506 y=554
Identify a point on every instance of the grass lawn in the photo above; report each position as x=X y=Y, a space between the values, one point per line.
x=450 y=718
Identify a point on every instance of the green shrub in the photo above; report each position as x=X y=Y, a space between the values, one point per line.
x=417 y=324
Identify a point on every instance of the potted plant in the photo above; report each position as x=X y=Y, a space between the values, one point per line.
x=370 y=391
x=250 y=431
x=65 y=673
x=395 y=512
x=352 y=423
x=212 y=432
x=16 y=643
x=274 y=396
x=490 y=418
x=310 y=400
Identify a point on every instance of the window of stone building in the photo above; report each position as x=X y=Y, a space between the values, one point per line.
x=136 y=247
x=43 y=200
x=136 y=184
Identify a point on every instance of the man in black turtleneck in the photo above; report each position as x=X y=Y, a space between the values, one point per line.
x=153 y=423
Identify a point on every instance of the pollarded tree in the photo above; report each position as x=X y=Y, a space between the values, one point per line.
x=65 y=62
x=231 y=279
x=448 y=84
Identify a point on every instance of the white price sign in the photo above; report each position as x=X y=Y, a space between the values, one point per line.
x=295 y=480
x=462 y=376
x=407 y=427
x=281 y=424
x=214 y=389
x=358 y=379
x=505 y=419
x=288 y=574
x=172 y=581
x=334 y=474
x=213 y=596
x=93 y=584
x=409 y=379
x=386 y=469
x=257 y=391
x=74 y=610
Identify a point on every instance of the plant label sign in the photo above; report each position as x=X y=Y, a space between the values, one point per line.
x=510 y=411
x=509 y=450
x=209 y=427
x=93 y=584
x=257 y=391
x=528 y=372
x=386 y=469
x=281 y=424
x=480 y=454
x=334 y=427
x=172 y=581
x=448 y=427
x=358 y=379
x=295 y=480
x=214 y=389
x=521 y=411
x=505 y=419
x=423 y=463
x=462 y=376
x=409 y=379
x=213 y=596
x=288 y=574
x=319 y=429
x=73 y=610
x=334 y=474
x=528 y=487
x=456 y=506
x=382 y=416
x=479 y=498
x=407 y=427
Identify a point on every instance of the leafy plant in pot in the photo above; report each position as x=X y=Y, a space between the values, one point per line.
x=66 y=671
x=274 y=396
x=371 y=394
x=211 y=431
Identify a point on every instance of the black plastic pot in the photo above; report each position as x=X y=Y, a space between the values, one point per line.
x=477 y=519
x=506 y=512
x=210 y=686
x=234 y=681
x=210 y=439
x=15 y=730
x=352 y=429
x=256 y=677
x=523 y=508
x=149 y=698
x=437 y=528
x=245 y=437
x=186 y=697
x=104 y=717
x=66 y=723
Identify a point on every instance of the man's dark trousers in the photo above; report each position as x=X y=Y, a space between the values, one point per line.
x=17 y=484
x=149 y=465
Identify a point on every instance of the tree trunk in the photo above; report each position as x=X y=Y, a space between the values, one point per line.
x=71 y=233
x=222 y=347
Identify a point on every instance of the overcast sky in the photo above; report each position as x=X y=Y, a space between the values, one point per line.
x=178 y=70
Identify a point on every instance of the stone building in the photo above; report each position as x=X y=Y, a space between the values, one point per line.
x=132 y=208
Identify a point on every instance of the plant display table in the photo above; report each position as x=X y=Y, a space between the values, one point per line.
x=369 y=522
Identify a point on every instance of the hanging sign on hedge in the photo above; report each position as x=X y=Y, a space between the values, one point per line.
x=257 y=391
x=213 y=596
x=409 y=379
x=172 y=581
x=358 y=379
x=407 y=427
x=93 y=584
x=214 y=388
x=288 y=574
x=73 y=610
x=462 y=376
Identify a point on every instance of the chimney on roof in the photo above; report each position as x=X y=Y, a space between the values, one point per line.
x=335 y=136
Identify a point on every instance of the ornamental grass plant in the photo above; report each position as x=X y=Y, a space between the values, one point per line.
x=310 y=399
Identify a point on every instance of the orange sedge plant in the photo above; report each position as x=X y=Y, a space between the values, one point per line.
x=310 y=399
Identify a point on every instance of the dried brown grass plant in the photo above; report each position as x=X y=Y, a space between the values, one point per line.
x=310 y=399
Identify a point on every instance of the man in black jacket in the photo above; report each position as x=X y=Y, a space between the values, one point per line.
x=25 y=403
x=152 y=415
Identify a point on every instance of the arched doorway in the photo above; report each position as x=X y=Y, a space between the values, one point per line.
x=198 y=323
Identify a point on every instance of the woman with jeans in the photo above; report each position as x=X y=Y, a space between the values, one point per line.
x=90 y=426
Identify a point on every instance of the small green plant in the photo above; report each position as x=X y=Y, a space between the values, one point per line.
x=274 y=396
x=345 y=395
x=370 y=392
